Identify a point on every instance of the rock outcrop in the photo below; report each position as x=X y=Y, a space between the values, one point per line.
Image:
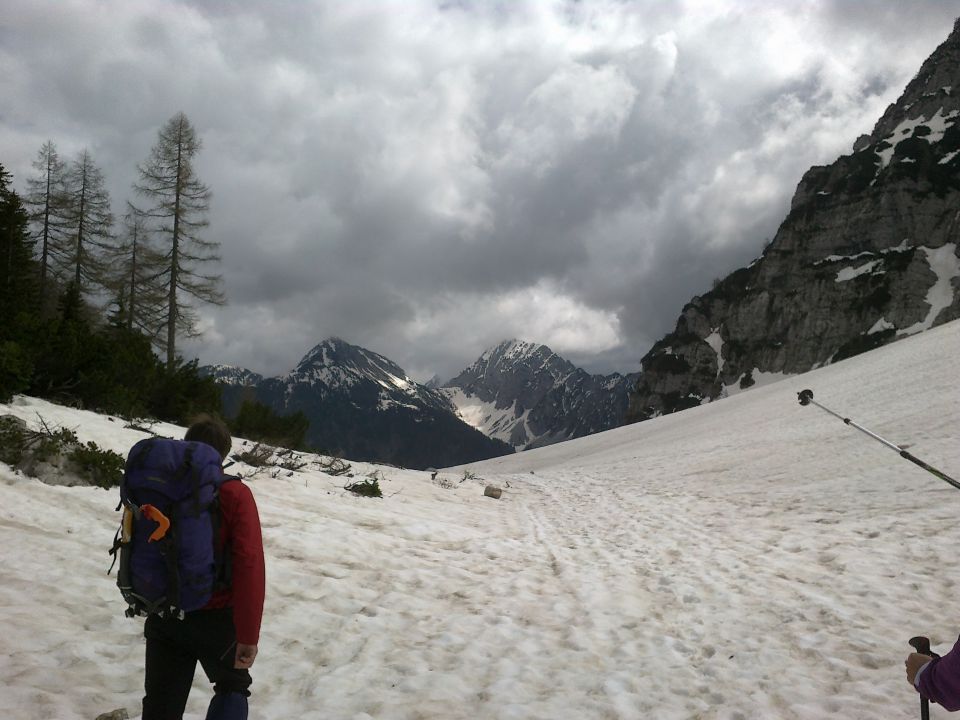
x=867 y=254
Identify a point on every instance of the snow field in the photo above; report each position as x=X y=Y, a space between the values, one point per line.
x=746 y=559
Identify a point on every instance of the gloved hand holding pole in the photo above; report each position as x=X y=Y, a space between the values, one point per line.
x=922 y=645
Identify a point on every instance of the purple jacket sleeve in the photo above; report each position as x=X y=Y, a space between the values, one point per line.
x=940 y=681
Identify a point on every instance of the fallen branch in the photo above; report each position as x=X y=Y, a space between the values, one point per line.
x=334 y=466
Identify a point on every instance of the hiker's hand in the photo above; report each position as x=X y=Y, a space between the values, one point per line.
x=246 y=654
x=914 y=662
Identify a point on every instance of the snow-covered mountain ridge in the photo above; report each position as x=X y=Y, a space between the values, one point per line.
x=336 y=364
x=363 y=405
x=519 y=393
x=526 y=395
x=331 y=363
x=232 y=375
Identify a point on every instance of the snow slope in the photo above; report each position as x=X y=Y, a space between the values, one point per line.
x=749 y=558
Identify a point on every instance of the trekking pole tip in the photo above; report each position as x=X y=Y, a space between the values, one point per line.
x=805 y=396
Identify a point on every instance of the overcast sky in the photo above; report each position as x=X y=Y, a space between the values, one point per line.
x=425 y=179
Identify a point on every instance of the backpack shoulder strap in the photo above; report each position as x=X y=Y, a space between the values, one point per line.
x=221 y=551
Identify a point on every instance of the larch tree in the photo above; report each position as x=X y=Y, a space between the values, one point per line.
x=88 y=224
x=136 y=278
x=178 y=206
x=45 y=202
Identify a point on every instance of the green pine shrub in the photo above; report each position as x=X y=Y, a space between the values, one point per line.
x=13 y=440
x=366 y=488
x=103 y=468
x=29 y=449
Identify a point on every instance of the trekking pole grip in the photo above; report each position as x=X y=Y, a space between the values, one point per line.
x=922 y=645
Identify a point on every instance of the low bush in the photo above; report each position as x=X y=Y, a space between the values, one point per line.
x=103 y=468
x=32 y=450
x=367 y=488
x=12 y=440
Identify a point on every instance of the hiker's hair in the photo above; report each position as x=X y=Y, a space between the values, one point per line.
x=212 y=431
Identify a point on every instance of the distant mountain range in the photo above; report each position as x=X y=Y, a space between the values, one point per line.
x=364 y=407
x=517 y=395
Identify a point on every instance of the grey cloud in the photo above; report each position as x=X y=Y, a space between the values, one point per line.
x=389 y=176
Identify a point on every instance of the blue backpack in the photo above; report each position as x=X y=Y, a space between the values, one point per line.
x=167 y=543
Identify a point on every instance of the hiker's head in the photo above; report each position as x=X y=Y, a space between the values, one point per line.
x=212 y=431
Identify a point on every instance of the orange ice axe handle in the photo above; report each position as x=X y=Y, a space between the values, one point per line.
x=163 y=524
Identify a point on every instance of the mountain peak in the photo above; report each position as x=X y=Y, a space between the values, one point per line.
x=325 y=352
x=516 y=350
x=933 y=89
x=231 y=375
x=525 y=394
x=335 y=362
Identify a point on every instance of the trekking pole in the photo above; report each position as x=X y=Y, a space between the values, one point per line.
x=806 y=398
x=922 y=645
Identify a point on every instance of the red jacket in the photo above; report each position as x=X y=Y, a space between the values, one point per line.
x=240 y=532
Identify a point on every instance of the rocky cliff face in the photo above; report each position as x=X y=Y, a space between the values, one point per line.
x=364 y=407
x=867 y=254
x=527 y=395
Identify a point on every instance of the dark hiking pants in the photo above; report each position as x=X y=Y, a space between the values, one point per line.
x=173 y=649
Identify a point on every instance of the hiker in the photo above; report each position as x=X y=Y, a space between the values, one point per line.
x=223 y=634
x=936 y=679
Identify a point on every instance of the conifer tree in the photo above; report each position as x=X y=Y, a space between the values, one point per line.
x=17 y=267
x=44 y=200
x=136 y=280
x=178 y=206
x=88 y=223
x=18 y=276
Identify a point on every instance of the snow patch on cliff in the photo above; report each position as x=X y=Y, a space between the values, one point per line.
x=945 y=264
x=716 y=342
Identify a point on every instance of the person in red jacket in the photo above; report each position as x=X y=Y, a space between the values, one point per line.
x=223 y=635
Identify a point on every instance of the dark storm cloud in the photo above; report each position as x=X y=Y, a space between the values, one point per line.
x=426 y=179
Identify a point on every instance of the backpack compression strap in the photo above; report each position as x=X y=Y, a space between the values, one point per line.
x=163 y=523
